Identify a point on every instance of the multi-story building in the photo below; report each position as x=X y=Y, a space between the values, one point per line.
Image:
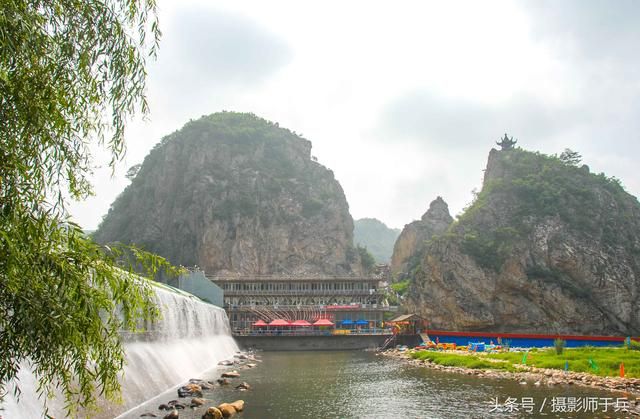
x=251 y=298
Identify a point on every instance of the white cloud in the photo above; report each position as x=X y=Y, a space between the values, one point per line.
x=402 y=101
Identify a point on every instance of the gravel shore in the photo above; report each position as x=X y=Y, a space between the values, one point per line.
x=526 y=375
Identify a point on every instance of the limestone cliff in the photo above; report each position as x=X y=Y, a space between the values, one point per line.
x=410 y=245
x=234 y=193
x=546 y=247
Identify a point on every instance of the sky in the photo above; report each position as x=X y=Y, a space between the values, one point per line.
x=402 y=100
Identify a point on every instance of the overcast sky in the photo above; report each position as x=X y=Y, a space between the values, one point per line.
x=402 y=100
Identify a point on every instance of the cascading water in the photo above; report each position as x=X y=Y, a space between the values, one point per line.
x=190 y=338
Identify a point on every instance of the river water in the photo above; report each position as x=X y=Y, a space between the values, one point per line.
x=358 y=384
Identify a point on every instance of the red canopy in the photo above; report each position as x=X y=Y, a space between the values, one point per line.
x=260 y=323
x=302 y=323
x=323 y=322
x=279 y=322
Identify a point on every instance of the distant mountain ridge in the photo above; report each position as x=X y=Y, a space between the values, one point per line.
x=236 y=194
x=376 y=237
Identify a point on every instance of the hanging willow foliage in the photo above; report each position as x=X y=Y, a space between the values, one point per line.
x=71 y=73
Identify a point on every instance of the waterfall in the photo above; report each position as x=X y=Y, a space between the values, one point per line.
x=190 y=338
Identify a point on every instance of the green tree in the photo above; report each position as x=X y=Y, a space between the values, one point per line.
x=570 y=157
x=367 y=260
x=71 y=73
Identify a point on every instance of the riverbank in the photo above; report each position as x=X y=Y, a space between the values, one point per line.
x=361 y=384
x=488 y=366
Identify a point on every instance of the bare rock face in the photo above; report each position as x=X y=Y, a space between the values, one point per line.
x=547 y=247
x=411 y=243
x=234 y=193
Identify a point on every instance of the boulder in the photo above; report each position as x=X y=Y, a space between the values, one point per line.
x=197 y=401
x=243 y=385
x=204 y=385
x=223 y=381
x=172 y=415
x=238 y=405
x=227 y=410
x=212 y=413
x=230 y=374
x=190 y=390
x=148 y=415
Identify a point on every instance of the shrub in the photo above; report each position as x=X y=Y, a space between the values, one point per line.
x=559 y=344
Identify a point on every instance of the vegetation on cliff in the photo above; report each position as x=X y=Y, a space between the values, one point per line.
x=538 y=186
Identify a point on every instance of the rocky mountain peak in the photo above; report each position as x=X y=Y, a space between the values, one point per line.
x=438 y=212
x=414 y=237
x=234 y=193
x=545 y=245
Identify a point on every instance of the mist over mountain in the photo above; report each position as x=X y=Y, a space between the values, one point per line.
x=376 y=237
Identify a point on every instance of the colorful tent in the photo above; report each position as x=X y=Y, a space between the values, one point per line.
x=279 y=322
x=323 y=322
x=301 y=323
x=347 y=322
x=260 y=323
x=361 y=322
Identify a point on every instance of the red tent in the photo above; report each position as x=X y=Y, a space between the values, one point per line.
x=279 y=322
x=302 y=323
x=260 y=323
x=323 y=322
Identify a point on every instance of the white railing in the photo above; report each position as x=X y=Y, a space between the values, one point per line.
x=312 y=332
x=301 y=293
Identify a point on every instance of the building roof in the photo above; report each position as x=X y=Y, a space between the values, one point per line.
x=407 y=317
x=279 y=322
x=323 y=322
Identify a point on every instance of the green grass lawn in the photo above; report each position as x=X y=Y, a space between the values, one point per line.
x=607 y=360
x=467 y=361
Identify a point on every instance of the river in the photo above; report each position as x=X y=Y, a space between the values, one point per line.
x=359 y=384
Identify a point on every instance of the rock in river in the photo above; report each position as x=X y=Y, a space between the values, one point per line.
x=197 y=401
x=172 y=415
x=238 y=405
x=212 y=413
x=243 y=386
x=227 y=409
x=190 y=390
x=231 y=374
